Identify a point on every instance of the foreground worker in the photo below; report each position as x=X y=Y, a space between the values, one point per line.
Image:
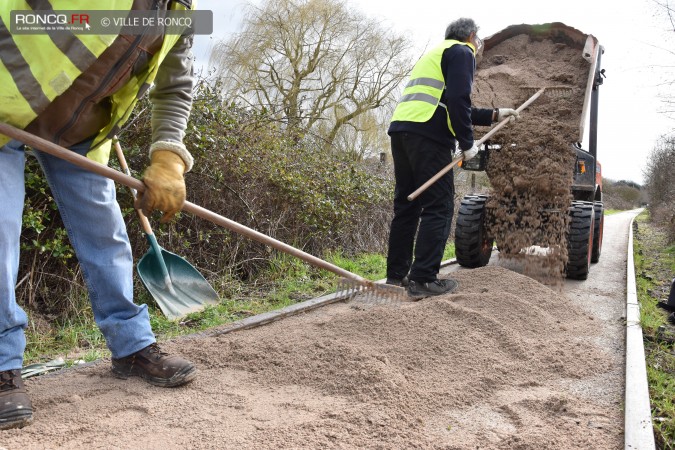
x=432 y=117
x=76 y=91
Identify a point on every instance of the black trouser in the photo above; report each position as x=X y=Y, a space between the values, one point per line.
x=416 y=160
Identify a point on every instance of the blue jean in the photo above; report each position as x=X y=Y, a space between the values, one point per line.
x=89 y=209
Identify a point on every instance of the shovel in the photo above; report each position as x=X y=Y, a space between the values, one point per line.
x=177 y=287
x=352 y=283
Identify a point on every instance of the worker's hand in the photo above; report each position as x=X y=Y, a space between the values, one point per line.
x=164 y=185
x=503 y=113
x=470 y=153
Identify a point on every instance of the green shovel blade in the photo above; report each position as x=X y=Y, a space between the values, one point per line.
x=177 y=287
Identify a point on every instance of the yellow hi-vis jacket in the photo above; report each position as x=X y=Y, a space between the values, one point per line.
x=35 y=69
x=422 y=95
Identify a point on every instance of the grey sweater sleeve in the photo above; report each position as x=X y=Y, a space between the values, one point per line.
x=171 y=99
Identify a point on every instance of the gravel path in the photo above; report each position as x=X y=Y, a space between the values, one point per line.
x=506 y=362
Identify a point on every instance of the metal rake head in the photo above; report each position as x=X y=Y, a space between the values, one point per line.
x=552 y=91
x=371 y=292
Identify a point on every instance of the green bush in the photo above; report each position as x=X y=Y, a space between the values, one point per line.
x=248 y=169
x=622 y=194
x=49 y=277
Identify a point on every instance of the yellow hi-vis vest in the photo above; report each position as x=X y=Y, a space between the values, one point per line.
x=35 y=69
x=422 y=94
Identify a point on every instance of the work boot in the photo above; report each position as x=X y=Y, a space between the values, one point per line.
x=156 y=367
x=418 y=290
x=16 y=410
x=397 y=281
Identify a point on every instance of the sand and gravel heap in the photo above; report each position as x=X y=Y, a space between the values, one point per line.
x=474 y=369
x=531 y=173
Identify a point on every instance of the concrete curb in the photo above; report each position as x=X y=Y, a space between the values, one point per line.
x=638 y=429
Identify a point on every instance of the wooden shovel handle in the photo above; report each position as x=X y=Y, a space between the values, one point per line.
x=487 y=135
x=126 y=180
x=145 y=223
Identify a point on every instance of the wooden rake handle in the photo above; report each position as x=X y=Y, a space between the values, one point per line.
x=131 y=182
x=447 y=168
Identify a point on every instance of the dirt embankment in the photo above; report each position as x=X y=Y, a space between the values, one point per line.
x=531 y=168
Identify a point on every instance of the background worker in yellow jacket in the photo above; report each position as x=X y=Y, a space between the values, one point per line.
x=432 y=117
x=77 y=90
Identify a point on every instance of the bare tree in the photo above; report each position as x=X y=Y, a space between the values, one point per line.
x=665 y=11
x=659 y=176
x=668 y=10
x=316 y=65
x=660 y=182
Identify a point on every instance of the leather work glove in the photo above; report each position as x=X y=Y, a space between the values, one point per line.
x=503 y=113
x=470 y=153
x=164 y=185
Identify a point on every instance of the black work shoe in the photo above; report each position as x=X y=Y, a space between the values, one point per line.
x=419 y=290
x=16 y=410
x=156 y=367
x=398 y=282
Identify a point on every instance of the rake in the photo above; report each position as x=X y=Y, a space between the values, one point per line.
x=350 y=283
x=551 y=91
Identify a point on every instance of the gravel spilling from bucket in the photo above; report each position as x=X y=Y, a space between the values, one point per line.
x=531 y=167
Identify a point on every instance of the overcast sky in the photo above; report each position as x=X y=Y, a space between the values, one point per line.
x=631 y=117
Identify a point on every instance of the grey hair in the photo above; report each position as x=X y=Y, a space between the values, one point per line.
x=461 y=29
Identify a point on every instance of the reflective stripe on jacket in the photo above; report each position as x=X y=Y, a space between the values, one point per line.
x=422 y=95
x=67 y=87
